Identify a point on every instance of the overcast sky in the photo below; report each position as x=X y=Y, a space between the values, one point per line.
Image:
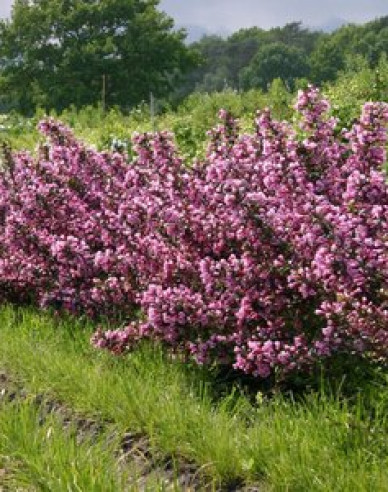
x=230 y=15
x=234 y=14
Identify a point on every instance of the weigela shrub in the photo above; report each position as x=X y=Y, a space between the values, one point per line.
x=269 y=255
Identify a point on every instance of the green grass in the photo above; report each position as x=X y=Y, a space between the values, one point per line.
x=43 y=456
x=41 y=451
x=321 y=442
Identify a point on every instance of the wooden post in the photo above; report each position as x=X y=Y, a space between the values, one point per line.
x=152 y=111
x=103 y=95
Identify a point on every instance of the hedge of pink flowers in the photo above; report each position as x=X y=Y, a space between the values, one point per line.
x=269 y=255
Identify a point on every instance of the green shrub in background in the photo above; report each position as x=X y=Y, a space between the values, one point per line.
x=356 y=85
x=190 y=120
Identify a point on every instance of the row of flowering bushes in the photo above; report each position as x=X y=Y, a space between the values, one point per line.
x=271 y=254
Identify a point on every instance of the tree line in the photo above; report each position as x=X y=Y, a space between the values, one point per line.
x=252 y=58
x=57 y=53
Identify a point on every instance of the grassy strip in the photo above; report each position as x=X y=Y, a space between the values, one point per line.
x=322 y=443
x=45 y=446
x=37 y=453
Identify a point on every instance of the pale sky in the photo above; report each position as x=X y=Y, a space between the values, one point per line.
x=234 y=14
x=230 y=15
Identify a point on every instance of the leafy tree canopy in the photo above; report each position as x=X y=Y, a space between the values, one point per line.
x=275 y=60
x=54 y=53
x=233 y=62
x=223 y=60
x=329 y=57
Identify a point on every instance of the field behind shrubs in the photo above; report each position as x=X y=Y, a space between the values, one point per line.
x=194 y=116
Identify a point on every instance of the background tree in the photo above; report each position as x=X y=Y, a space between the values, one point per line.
x=242 y=47
x=55 y=52
x=210 y=74
x=296 y=35
x=333 y=50
x=275 y=60
x=224 y=59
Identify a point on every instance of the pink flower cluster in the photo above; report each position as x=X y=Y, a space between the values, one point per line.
x=270 y=255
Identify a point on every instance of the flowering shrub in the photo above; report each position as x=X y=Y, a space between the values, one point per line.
x=270 y=255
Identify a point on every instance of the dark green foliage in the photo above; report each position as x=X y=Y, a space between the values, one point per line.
x=55 y=53
x=275 y=60
x=369 y=40
x=254 y=57
x=224 y=60
x=58 y=53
